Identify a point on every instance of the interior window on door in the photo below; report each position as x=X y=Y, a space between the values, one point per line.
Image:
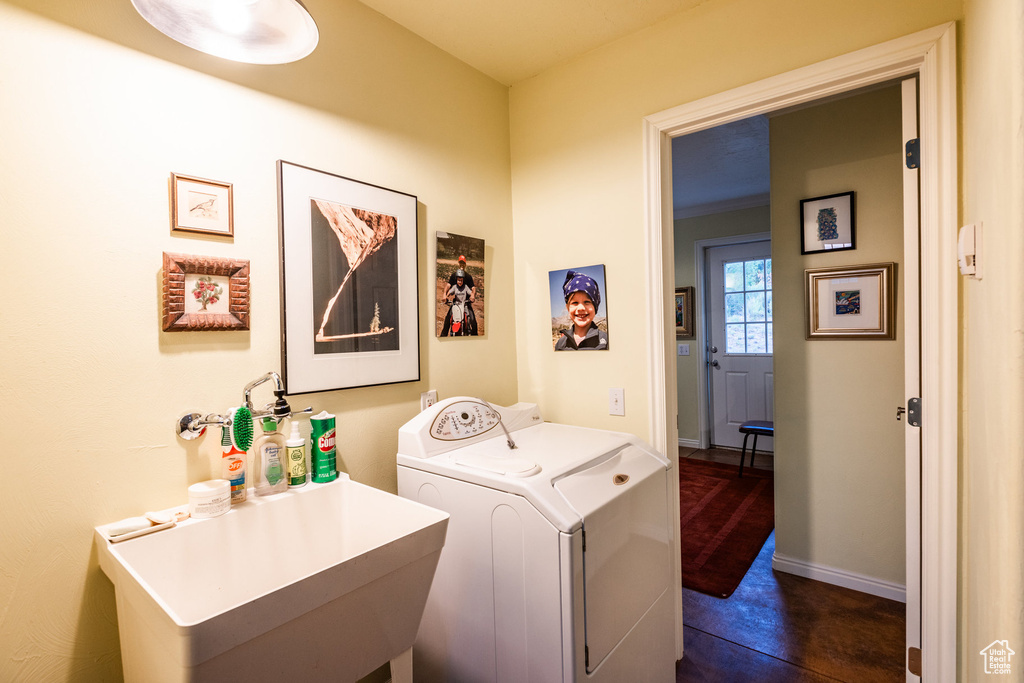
x=748 y=307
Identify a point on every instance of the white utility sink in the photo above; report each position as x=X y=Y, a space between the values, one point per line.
x=324 y=582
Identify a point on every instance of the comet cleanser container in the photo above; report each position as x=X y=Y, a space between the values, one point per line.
x=324 y=455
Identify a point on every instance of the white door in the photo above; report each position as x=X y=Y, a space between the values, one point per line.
x=739 y=349
x=912 y=376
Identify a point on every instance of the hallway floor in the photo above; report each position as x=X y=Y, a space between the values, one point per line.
x=780 y=628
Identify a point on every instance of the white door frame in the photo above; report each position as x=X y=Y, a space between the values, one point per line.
x=931 y=55
x=700 y=248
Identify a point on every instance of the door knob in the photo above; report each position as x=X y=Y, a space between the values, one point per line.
x=899 y=413
x=713 y=349
x=714 y=363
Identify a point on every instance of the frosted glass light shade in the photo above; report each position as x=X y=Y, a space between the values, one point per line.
x=252 y=31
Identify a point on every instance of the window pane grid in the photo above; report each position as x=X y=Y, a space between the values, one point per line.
x=748 y=307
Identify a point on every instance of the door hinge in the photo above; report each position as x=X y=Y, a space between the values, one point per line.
x=914 y=660
x=914 y=412
x=914 y=153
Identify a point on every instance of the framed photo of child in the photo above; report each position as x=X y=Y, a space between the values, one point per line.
x=579 y=314
x=459 y=290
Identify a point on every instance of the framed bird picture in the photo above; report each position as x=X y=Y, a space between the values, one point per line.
x=201 y=206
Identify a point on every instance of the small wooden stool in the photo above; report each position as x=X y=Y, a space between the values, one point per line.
x=757 y=428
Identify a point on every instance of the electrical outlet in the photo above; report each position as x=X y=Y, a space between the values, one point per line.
x=616 y=402
x=428 y=398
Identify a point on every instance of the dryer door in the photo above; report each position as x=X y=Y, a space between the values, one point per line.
x=627 y=561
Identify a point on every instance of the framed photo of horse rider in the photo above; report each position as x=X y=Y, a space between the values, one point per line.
x=459 y=286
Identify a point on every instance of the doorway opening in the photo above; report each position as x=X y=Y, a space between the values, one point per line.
x=835 y=479
x=930 y=55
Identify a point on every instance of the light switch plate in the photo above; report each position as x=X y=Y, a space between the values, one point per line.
x=616 y=402
x=684 y=349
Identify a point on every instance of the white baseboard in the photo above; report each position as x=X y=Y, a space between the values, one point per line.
x=840 y=577
x=689 y=443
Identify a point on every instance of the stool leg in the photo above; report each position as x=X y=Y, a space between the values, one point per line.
x=743 y=453
x=753 y=450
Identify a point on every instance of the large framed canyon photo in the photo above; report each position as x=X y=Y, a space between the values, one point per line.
x=349 y=293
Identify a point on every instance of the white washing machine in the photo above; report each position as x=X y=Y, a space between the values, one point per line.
x=557 y=564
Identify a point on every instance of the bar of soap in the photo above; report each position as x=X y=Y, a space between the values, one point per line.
x=126 y=526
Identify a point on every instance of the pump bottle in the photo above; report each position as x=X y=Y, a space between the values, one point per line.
x=296 y=458
x=269 y=457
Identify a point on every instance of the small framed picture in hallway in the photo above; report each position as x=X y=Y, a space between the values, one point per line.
x=827 y=223
x=684 y=312
x=851 y=302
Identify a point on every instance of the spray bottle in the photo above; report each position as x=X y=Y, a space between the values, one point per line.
x=233 y=465
x=296 y=457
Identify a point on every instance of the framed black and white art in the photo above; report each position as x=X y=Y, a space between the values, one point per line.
x=349 y=293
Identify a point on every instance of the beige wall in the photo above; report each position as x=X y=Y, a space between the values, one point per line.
x=689 y=231
x=90 y=131
x=839 y=478
x=992 y=356
x=90 y=385
x=577 y=167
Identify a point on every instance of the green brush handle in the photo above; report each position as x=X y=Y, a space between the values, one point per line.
x=241 y=429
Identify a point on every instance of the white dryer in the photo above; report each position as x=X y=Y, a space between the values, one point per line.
x=557 y=564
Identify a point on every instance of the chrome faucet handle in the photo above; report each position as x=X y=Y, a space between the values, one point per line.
x=193 y=425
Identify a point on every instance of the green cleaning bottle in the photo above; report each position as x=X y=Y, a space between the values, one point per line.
x=269 y=455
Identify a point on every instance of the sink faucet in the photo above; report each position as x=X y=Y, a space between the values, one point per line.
x=279 y=409
x=192 y=425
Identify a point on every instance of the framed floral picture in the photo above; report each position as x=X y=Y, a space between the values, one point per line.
x=202 y=206
x=203 y=293
x=827 y=224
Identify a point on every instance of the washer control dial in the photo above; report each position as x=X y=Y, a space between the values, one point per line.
x=462 y=420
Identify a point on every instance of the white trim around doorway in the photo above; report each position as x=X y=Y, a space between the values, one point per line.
x=931 y=55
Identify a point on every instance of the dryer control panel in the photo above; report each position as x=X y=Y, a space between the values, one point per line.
x=462 y=420
x=459 y=421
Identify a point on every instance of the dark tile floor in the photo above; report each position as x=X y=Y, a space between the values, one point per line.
x=778 y=627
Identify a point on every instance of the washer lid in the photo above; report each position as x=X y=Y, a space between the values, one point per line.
x=627 y=558
x=509 y=467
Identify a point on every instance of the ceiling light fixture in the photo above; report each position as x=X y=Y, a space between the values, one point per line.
x=251 y=31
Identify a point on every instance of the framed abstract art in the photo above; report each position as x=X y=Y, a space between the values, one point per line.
x=851 y=302
x=826 y=224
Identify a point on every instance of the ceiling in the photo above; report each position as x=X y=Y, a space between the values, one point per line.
x=720 y=169
x=511 y=40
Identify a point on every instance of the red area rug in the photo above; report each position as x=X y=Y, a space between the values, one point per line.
x=725 y=520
